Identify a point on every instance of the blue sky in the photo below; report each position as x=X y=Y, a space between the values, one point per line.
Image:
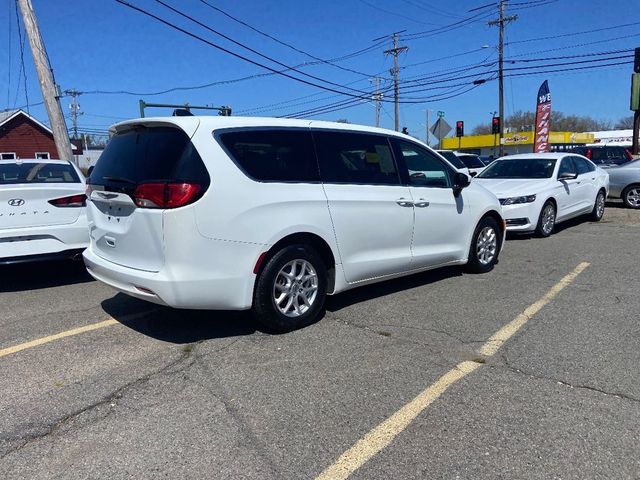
x=101 y=45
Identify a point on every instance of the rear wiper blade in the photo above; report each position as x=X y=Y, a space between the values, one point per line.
x=119 y=179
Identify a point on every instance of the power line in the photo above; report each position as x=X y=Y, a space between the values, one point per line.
x=447 y=28
x=288 y=45
x=365 y=96
x=234 y=54
x=252 y=50
x=396 y=14
x=584 y=32
x=21 y=41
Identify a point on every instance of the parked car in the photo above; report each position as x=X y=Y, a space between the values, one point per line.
x=453 y=159
x=539 y=190
x=272 y=214
x=625 y=183
x=472 y=162
x=42 y=211
x=604 y=155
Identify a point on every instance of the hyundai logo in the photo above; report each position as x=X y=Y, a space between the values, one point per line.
x=16 y=202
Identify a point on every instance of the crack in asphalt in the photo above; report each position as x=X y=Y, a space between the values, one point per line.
x=372 y=329
x=244 y=429
x=113 y=397
x=508 y=366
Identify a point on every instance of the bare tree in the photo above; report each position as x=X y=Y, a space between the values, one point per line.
x=524 y=121
x=625 y=123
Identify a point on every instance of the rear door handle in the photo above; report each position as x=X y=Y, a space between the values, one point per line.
x=404 y=202
x=422 y=203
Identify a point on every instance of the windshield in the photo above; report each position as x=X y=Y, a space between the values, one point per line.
x=520 y=168
x=471 y=161
x=37 y=173
x=453 y=158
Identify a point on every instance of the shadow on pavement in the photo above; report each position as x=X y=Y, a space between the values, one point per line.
x=369 y=292
x=179 y=326
x=37 y=275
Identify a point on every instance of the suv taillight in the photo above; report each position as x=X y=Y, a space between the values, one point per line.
x=72 y=201
x=166 y=195
x=628 y=154
x=588 y=153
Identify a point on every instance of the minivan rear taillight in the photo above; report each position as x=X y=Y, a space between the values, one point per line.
x=165 y=195
x=628 y=154
x=72 y=201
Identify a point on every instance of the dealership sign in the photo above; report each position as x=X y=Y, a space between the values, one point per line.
x=543 y=119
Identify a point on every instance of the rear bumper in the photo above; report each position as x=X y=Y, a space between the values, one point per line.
x=43 y=243
x=74 y=254
x=204 y=283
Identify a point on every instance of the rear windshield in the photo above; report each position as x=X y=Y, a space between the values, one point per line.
x=453 y=158
x=37 y=173
x=471 y=161
x=520 y=168
x=148 y=154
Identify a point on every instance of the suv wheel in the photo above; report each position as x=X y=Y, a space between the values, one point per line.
x=631 y=196
x=547 y=220
x=598 y=207
x=485 y=246
x=291 y=289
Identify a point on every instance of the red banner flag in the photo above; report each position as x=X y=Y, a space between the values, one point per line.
x=543 y=119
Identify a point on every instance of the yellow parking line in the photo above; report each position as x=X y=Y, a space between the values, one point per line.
x=384 y=433
x=57 y=336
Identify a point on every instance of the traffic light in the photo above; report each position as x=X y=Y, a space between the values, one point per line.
x=636 y=63
x=495 y=125
x=459 y=128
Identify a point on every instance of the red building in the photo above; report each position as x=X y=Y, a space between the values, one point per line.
x=22 y=136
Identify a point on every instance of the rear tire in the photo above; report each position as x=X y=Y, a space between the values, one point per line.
x=547 y=220
x=291 y=289
x=485 y=246
x=631 y=196
x=598 y=207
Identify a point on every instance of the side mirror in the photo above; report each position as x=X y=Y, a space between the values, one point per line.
x=568 y=176
x=460 y=181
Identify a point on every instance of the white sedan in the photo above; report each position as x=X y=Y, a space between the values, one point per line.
x=538 y=190
x=42 y=211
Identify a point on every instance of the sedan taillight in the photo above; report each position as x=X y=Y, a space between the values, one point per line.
x=72 y=201
x=166 y=195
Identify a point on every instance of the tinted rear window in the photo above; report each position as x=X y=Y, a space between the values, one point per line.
x=453 y=158
x=273 y=155
x=149 y=154
x=471 y=161
x=37 y=173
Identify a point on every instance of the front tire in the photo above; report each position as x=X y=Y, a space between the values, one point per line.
x=291 y=289
x=631 y=196
x=547 y=220
x=485 y=246
x=598 y=207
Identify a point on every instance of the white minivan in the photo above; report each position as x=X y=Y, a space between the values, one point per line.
x=273 y=214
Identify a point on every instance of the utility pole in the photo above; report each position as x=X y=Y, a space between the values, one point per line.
x=75 y=110
x=501 y=22
x=377 y=97
x=395 y=51
x=427 y=135
x=47 y=84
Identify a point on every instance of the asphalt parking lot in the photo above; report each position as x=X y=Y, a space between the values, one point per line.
x=411 y=378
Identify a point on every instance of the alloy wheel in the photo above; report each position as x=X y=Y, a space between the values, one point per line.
x=295 y=288
x=633 y=197
x=486 y=245
x=548 y=218
x=600 y=205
